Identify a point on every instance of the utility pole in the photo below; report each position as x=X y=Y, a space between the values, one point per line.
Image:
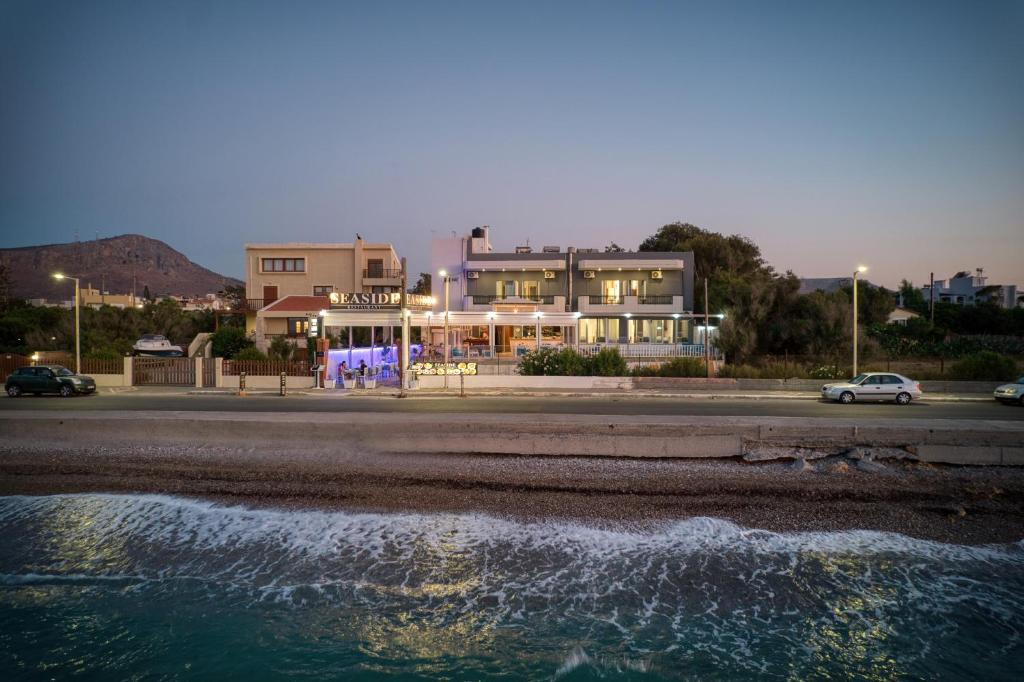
x=707 y=336
x=931 y=299
x=855 y=273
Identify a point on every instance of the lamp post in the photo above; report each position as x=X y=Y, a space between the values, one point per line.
x=860 y=269
x=78 y=336
x=444 y=276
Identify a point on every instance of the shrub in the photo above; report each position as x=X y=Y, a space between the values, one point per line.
x=608 y=363
x=228 y=341
x=552 y=362
x=250 y=353
x=984 y=366
x=645 y=371
x=683 y=367
x=827 y=372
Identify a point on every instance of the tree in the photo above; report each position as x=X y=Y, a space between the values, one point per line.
x=733 y=264
x=233 y=295
x=613 y=248
x=5 y=285
x=423 y=285
x=281 y=349
x=765 y=312
x=228 y=341
x=146 y=296
x=873 y=303
x=912 y=298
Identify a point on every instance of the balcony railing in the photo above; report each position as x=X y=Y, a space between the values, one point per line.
x=487 y=299
x=251 y=304
x=381 y=273
x=595 y=299
x=660 y=299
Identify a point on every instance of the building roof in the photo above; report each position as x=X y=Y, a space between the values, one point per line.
x=307 y=246
x=298 y=304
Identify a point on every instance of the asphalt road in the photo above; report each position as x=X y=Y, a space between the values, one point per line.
x=617 y=405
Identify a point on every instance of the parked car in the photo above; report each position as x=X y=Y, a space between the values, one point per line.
x=1011 y=394
x=48 y=379
x=874 y=386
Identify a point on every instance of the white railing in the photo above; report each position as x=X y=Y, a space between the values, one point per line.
x=651 y=350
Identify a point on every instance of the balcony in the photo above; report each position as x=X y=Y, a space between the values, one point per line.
x=250 y=305
x=489 y=302
x=637 y=305
x=381 y=277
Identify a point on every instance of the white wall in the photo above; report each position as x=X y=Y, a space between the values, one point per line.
x=263 y=383
x=516 y=381
x=447 y=254
x=108 y=380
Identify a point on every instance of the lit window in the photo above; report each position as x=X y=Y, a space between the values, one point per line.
x=298 y=326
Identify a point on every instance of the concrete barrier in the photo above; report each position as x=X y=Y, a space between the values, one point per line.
x=364 y=434
x=694 y=384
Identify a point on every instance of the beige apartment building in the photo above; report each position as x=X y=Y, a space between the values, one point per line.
x=95 y=298
x=286 y=283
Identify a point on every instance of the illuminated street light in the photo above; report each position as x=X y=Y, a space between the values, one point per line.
x=78 y=336
x=447 y=279
x=861 y=269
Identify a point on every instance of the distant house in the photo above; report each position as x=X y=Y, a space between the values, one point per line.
x=901 y=316
x=967 y=289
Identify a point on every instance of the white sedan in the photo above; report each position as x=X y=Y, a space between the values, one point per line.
x=874 y=386
x=1011 y=393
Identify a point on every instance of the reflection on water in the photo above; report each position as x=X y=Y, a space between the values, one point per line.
x=124 y=586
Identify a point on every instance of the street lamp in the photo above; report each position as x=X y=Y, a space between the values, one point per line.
x=78 y=335
x=860 y=270
x=447 y=279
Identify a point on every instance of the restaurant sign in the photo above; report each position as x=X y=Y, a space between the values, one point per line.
x=379 y=301
x=442 y=368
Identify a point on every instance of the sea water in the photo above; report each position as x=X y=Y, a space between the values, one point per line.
x=126 y=586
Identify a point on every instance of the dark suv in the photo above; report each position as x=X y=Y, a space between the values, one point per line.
x=48 y=379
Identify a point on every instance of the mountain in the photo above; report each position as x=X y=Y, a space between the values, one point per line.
x=112 y=262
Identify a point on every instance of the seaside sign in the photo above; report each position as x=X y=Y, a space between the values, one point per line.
x=378 y=301
x=442 y=368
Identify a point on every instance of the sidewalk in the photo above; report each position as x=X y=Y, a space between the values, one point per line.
x=440 y=394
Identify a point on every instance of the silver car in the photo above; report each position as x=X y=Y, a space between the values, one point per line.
x=874 y=386
x=1011 y=393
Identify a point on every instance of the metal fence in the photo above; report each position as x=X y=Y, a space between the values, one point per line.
x=12 y=361
x=94 y=366
x=651 y=350
x=164 y=371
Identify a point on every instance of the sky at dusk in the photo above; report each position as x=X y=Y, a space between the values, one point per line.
x=831 y=133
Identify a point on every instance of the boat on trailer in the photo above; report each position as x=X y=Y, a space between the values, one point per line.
x=156 y=346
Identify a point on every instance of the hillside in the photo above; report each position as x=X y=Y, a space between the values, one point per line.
x=113 y=261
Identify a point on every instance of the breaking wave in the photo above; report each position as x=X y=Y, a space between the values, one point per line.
x=474 y=596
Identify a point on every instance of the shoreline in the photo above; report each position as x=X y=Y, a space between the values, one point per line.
x=952 y=504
